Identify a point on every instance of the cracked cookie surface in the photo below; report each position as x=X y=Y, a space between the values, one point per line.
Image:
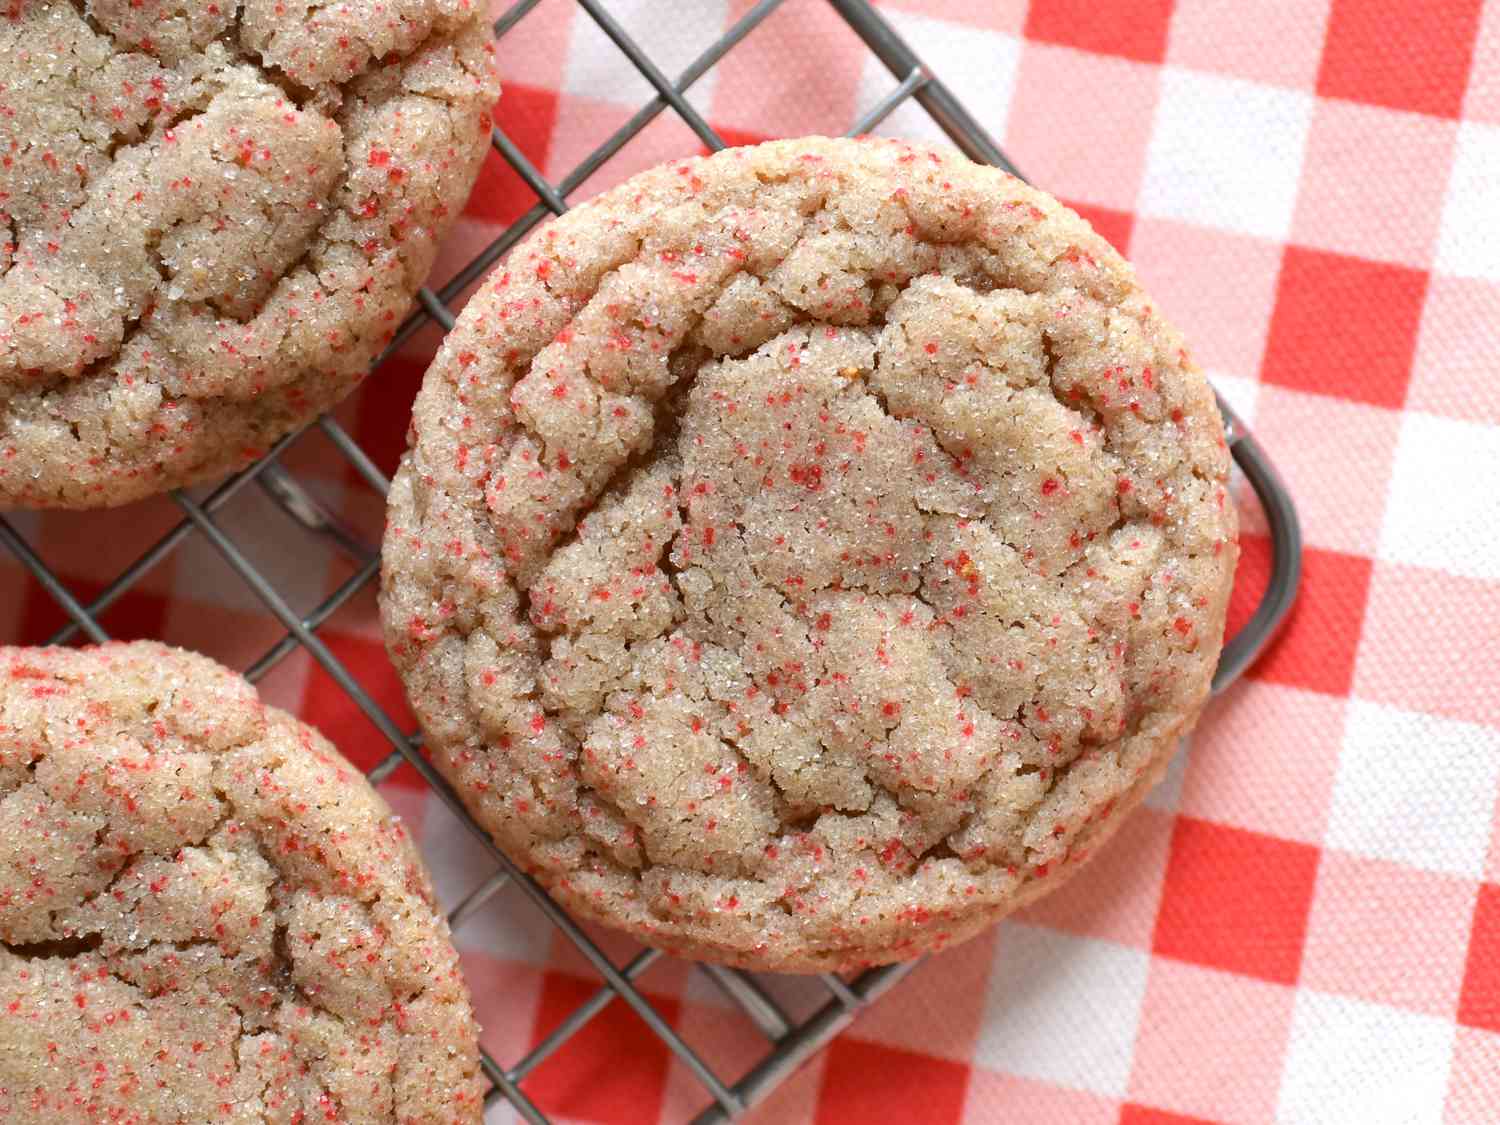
x=807 y=554
x=212 y=216
x=206 y=914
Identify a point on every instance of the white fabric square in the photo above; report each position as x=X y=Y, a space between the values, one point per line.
x=1166 y=795
x=1241 y=393
x=1062 y=1009
x=1349 y=1060
x=1469 y=241
x=295 y=561
x=1226 y=153
x=501 y=1113
x=978 y=66
x=596 y=68
x=1443 y=508
x=506 y=925
x=1415 y=789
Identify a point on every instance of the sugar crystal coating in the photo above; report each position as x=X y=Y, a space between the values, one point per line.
x=807 y=554
x=206 y=914
x=213 y=213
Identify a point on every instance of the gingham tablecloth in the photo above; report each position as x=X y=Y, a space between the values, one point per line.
x=1303 y=925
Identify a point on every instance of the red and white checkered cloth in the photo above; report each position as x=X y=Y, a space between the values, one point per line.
x=1304 y=923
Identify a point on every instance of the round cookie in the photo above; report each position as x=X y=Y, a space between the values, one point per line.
x=808 y=554
x=212 y=216
x=206 y=914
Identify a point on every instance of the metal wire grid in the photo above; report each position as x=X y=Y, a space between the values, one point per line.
x=789 y=1043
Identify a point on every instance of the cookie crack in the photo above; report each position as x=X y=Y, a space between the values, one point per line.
x=57 y=949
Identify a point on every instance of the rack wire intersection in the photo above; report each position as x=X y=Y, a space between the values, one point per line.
x=789 y=1042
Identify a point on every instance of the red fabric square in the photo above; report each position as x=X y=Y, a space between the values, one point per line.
x=1317 y=646
x=734 y=138
x=1135 y=31
x=1114 y=225
x=1344 y=326
x=527 y=116
x=864 y=1082
x=1236 y=900
x=613 y=1071
x=384 y=410
x=1405 y=56
x=1132 y=1114
x=1251 y=577
x=1479 y=1002
x=336 y=714
x=136 y=615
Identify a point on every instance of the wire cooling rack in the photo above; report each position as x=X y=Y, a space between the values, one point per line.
x=789 y=1042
